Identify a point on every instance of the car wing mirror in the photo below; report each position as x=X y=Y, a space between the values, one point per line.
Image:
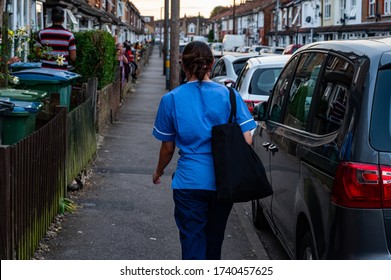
x=260 y=111
x=229 y=83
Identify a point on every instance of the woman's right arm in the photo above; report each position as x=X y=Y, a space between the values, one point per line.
x=166 y=152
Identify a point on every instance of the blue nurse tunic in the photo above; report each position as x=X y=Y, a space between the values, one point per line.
x=186 y=116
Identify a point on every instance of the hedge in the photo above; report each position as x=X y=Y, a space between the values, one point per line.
x=96 y=56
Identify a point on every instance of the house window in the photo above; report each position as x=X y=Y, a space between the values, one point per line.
x=387 y=7
x=297 y=19
x=290 y=17
x=37 y=19
x=120 y=9
x=353 y=9
x=342 y=5
x=71 y=22
x=285 y=18
x=371 y=8
x=327 y=9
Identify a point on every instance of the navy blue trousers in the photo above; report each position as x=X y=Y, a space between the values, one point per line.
x=201 y=220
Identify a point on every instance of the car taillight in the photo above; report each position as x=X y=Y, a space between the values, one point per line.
x=250 y=105
x=386 y=182
x=358 y=185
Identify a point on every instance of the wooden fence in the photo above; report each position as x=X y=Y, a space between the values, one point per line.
x=81 y=137
x=32 y=183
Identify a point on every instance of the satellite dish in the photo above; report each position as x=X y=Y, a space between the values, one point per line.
x=308 y=19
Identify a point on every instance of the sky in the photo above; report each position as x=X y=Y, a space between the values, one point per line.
x=188 y=7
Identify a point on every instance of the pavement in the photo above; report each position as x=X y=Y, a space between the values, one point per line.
x=121 y=214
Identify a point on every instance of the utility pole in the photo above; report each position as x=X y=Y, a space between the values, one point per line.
x=174 y=44
x=233 y=18
x=166 y=60
x=276 y=23
x=161 y=34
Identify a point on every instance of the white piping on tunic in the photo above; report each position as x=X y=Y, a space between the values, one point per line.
x=245 y=122
x=168 y=134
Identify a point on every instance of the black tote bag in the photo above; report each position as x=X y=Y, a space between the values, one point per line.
x=240 y=174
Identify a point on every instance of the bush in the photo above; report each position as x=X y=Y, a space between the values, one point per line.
x=96 y=56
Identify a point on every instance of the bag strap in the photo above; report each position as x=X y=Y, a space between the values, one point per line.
x=232 y=100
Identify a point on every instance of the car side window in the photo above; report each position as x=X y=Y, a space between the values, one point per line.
x=300 y=95
x=223 y=71
x=242 y=76
x=263 y=80
x=280 y=91
x=217 y=69
x=333 y=93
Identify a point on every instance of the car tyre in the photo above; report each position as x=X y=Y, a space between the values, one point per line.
x=307 y=247
x=258 y=217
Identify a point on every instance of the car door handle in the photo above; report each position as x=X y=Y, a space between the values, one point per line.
x=273 y=148
x=266 y=144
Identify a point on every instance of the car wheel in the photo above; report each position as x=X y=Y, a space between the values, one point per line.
x=307 y=247
x=259 y=219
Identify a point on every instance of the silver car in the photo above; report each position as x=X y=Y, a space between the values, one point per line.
x=227 y=68
x=257 y=78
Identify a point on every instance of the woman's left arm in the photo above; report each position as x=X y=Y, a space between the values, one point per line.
x=166 y=152
x=248 y=137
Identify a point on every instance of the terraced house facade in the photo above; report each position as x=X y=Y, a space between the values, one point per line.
x=284 y=22
x=119 y=17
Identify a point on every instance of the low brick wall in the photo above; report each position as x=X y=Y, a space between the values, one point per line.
x=108 y=104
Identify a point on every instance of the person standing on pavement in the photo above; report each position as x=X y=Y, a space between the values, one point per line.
x=184 y=119
x=132 y=63
x=123 y=59
x=57 y=44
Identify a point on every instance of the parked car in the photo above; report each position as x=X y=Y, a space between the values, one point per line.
x=324 y=137
x=291 y=49
x=244 y=49
x=228 y=67
x=258 y=48
x=217 y=47
x=257 y=78
x=275 y=50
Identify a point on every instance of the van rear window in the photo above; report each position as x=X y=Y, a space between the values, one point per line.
x=380 y=132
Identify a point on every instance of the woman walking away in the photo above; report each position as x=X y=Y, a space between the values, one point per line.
x=184 y=119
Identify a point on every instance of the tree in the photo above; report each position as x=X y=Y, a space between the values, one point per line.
x=211 y=36
x=216 y=11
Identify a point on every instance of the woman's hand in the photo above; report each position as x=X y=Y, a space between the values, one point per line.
x=156 y=177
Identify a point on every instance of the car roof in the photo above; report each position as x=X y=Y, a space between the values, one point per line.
x=370 y=46
x=269 y=60
x=237 y=56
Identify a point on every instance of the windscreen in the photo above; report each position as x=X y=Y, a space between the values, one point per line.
x=381 y=112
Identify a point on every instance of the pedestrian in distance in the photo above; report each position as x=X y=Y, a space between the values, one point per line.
x=184 y=119
x=123 y=59
x=132 y=61
x=56 y=44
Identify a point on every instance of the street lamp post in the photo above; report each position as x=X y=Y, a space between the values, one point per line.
x=233 y=18
x=276 y=23
x=161 y=31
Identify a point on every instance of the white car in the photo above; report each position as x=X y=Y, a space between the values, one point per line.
x=227 y=68
x=257 y=78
